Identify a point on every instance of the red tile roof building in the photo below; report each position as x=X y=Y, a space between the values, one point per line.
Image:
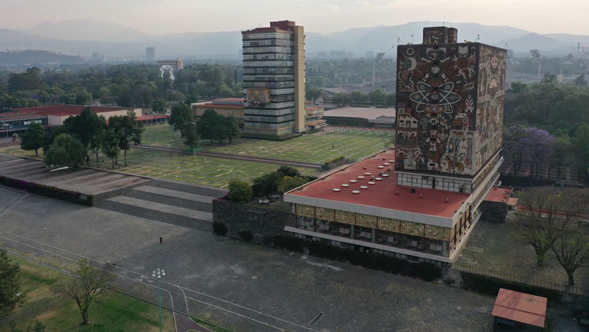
x=422 y=199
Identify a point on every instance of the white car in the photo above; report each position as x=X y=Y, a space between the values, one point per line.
x=264 y=201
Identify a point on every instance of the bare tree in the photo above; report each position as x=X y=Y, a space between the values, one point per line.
x=88 y=283
x=572 y=250
x=545 y=214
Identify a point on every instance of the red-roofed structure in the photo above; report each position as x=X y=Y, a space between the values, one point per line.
x=515 y=307
x=422 y=199
x=68 y=110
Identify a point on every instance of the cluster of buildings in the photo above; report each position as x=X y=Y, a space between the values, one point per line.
x=421 y=200
x=19 y=119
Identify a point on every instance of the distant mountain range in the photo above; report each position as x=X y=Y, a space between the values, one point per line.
x=117 y=41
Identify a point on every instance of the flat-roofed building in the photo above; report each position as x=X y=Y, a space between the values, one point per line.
x=274 y=80
x=422 y=199
x=223 y=106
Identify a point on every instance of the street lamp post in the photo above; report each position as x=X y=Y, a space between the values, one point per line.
x=159 y=274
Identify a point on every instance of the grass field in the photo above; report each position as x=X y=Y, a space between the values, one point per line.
x=318 y=147
x=217 y=172
x=46 y=302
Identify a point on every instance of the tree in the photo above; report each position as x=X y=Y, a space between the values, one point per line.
x=206 y=124
x=523 y=145
x=87 y=284
x=10 y=286
x=127 y=130
x=239 y=191
x=96 y=140
x=288 y=183
x=159 y=106
x=32 y=138
x=232 y=128
x=110 y=145
x=541 y=222
x=50 y=136
x=65 y=151
x=581 y=145
x=190 y=136
x=562 y=153
x=313 y=93
x=572 y=250
x=266 y=184
x=84 y=127
x=378 y=97
x=181 y=115
x=288 y=171
x=580 y=80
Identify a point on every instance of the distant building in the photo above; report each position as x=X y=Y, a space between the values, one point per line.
x=235 y=107
x=274 y=80
x=337 y=55
x=421 y=200
x=19 y=119
x=349 y=55
x=224 y=106
x=96 y=57
x=370 y=54
x=150 y=54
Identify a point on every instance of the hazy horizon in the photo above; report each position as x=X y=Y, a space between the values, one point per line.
x=158 y=17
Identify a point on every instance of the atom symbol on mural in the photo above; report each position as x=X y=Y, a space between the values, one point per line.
x=434 y=100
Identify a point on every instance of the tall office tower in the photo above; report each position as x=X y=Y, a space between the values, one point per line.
x=449 y=112
x=150 y=54
x=274 y=80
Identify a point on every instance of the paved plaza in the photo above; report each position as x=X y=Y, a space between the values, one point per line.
x=242 y=286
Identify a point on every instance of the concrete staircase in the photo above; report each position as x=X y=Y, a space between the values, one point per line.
x=170 y=202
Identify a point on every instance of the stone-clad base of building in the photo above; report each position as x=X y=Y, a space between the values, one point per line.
x=266 y=225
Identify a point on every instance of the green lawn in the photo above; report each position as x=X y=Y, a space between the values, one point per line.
x=318 y=147
x=46 y=302
x=217 y=172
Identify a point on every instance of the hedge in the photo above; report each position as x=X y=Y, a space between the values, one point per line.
x=49 y=191
x=334 y=160
x=490 y=286
x=423 y=270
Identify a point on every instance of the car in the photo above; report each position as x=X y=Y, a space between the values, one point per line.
x=274 y=197
x=264 y=201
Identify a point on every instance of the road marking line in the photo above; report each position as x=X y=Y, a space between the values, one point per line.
x=235 y=313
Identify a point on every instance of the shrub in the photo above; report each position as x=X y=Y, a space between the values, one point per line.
x=239 y=191
x=219 y=228
x=333 y=161
x=288 y=171
x=246 y=235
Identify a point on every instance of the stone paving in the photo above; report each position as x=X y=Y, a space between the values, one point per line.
x=238 y=285
x=87 y=181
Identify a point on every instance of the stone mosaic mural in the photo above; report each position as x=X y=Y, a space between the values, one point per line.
x=449 y=106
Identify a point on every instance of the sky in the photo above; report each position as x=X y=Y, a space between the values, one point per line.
x=322 y=16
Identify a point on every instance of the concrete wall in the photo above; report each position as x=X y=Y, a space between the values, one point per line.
x=265 y=224
x=299 y=64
